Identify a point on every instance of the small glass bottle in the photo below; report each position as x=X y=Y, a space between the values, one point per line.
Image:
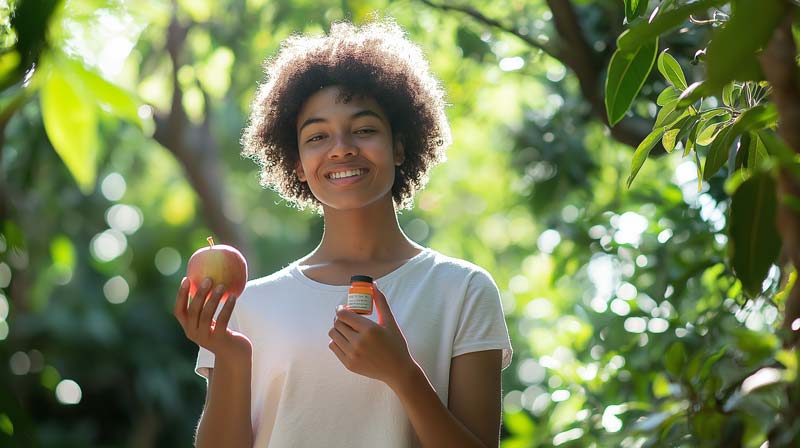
x=359 y=297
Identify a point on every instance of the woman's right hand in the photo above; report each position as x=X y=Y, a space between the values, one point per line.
x=199 y=325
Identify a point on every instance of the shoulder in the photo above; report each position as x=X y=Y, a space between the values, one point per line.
x=461 y=269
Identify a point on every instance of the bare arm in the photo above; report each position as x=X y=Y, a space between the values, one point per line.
x=472 y=418
x=225 y=421
x=226 y=415
x=474 y=397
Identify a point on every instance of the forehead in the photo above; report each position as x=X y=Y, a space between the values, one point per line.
x=329 y=102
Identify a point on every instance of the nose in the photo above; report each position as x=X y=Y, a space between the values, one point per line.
x=343 y=147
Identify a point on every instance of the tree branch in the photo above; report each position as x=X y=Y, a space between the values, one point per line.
x=197 y=151
x=477 y=15
x=575 y=53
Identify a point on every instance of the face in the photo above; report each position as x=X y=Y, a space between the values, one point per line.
x=347 y=153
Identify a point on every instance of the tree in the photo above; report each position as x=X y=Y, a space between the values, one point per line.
x=729 y=112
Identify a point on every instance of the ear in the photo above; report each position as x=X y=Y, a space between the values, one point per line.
x=298 y=169
x=399 y=151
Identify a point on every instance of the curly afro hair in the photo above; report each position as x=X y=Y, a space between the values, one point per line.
x=375 y=60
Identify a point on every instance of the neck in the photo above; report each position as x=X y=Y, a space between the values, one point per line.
x=371 y=233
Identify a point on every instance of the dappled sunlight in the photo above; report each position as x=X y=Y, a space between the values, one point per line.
x=633 y=322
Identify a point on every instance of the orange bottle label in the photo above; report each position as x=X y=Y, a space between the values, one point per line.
x=359 y=298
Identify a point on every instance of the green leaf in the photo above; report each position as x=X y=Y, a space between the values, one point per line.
x=754 y=238
x=727 y=94
x=667 y=95
x=671 y=70
x=756 y=153
x=718 y=153
x=642 y=151
x=707 y=135
x=627 y=72
x=754 y=118
x=731 y=54
x=675 y=359
x=119 y=101
x=690 y=140
x=70 y=121
x=742 y=151
x=687 y=127
x=661 y=23
x=669 y=139
x=693 y=92
x=635 y=9
x=669 y=114
x=699 y=171
x=715 y=119
x=758 y=117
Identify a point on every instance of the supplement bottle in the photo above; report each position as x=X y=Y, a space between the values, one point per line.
x=359 y=297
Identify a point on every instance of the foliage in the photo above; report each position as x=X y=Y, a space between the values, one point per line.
x=729 y=117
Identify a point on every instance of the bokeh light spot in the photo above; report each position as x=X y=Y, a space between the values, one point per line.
x=68 y=392
x=116 y=290
x=113 y=187
x=168 y=260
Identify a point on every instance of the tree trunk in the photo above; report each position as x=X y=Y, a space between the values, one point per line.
x=780 y=68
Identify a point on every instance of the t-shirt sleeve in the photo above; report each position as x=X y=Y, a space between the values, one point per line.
x=482 y=324
x=205 y=358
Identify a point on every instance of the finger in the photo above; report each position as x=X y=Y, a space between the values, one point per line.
x=182 y=301
x=385 y=315
x=340 y=340
x=345 y=330
x=210 y=308
x=225 y=314
x=336 y=313
x=338 y=352
x=196 y=302
x=353 y=319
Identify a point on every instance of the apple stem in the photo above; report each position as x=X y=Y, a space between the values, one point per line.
x=210 y=241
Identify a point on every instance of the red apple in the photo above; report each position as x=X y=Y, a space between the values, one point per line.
x=223 y=264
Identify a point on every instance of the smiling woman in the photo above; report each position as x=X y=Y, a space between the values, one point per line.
x=350 y=124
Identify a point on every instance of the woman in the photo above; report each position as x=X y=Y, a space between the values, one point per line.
x=349 y=124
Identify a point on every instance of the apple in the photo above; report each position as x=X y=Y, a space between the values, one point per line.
x=223 y=264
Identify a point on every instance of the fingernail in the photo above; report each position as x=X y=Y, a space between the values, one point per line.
x=206 y=283
x=220 y=288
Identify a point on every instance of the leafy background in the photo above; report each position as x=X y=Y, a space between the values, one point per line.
x=120 y=155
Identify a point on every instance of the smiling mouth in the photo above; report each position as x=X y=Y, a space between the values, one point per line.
x=346 y=174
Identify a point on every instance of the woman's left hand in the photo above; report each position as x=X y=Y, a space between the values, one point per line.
x=376 y=350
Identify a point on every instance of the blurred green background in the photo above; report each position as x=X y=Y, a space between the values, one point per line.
x=120 y=125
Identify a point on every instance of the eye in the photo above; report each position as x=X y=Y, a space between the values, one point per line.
x=315 y=138
x=366 y=131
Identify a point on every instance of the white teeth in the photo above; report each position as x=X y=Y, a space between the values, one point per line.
x=348 y=173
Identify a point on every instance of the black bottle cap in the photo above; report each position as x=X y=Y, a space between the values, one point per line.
x=361 y=278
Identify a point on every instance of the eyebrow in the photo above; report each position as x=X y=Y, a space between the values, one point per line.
x=359 y=114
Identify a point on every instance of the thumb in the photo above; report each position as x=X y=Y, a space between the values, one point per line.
x=385 y=316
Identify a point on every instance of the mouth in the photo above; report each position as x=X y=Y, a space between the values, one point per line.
x=346 y=176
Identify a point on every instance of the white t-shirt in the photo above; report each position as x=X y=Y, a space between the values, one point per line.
x=302 y=395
